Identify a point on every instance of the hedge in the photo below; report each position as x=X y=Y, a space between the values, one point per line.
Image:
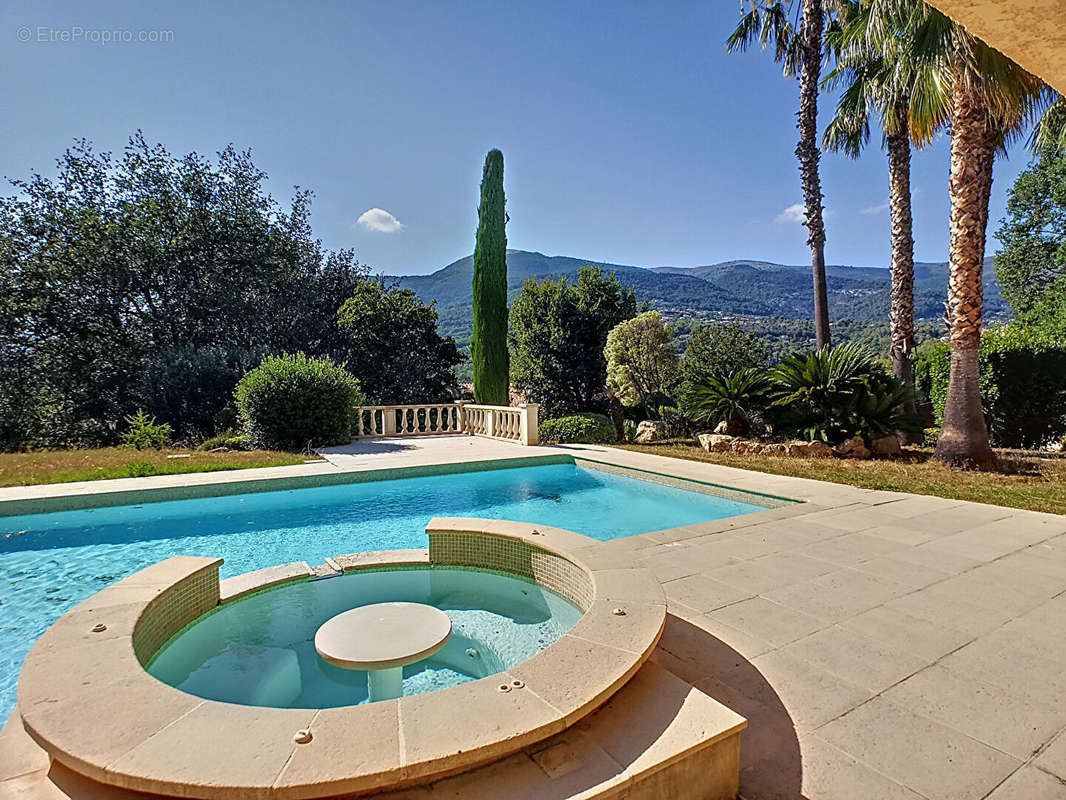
x=578 y=429
x=1023 y=384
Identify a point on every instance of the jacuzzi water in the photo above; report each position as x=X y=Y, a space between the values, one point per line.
x=260 y=650
x=51 y=562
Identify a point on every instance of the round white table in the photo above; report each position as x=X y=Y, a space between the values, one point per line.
x=383 y=638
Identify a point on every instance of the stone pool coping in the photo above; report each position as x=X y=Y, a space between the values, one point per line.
x=85 y=697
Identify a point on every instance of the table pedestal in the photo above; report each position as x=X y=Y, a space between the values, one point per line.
x=385 y=684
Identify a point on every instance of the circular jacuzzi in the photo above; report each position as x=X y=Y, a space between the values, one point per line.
x=259 y=650
x=174 y=683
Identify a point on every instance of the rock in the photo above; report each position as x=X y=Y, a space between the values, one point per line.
x=854 y=447
x=715 y=442
x=797 y=449
x=774 y=450
x=722 y=427
x=650 y=430
x=886 y=445
x=746 y=447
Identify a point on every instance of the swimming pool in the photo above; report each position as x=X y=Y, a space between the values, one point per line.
x=51 y=562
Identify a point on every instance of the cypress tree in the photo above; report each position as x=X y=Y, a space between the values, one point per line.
x=488 y=347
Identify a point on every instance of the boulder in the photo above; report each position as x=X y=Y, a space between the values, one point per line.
x=854 y=447
x=746 y=447
x=797 y=449
x=651 y=430
x=722 y=427
x=886 y=445
x=715 y=442
x=774 y=450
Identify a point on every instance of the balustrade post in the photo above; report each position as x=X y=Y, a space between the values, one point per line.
x=529 y=434
x=388 y=422
x=460 y=412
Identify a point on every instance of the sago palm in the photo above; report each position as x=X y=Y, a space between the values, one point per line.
x=734 y=398
x=878 y=82
x=797 y=44
x=988 y=99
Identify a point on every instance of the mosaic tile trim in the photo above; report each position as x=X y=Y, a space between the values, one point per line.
x=505 y=554
x=752 y=498
x=175 y=608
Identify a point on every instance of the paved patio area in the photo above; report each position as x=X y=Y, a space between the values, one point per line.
x=881 y=645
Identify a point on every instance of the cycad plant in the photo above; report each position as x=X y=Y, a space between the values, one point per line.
x=833 y=394
x=734 y=398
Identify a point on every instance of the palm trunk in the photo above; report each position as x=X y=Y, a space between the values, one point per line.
x=808 y=154
x=964 y=436
x=901 y=315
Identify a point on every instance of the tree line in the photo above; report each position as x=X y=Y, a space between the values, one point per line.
x=147 y=281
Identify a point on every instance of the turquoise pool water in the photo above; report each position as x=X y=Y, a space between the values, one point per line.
x=260 y=651
x=51 y=562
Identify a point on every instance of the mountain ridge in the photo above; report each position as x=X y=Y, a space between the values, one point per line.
x=726 y=290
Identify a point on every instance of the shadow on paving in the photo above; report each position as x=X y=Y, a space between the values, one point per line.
x=770 y=762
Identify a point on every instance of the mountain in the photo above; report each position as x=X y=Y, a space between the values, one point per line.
x=716 y=291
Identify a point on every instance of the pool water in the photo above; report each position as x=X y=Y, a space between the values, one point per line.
x=51 y=562
x=260 y=650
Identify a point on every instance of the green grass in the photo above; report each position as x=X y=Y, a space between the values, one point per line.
x=64 y=466
x=1035 y=481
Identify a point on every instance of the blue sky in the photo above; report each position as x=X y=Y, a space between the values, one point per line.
x=629 y=135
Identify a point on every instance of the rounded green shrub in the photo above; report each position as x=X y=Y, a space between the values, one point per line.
x=290 y=402
x=578 y=429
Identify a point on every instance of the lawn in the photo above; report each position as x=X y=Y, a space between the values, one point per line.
x=1035 y=481
x=61 y=466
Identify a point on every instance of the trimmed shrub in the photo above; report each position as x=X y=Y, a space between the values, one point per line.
x=1023 y=384
x=578 y=429
x=291 y=402
x=229 y=438
x=145 y=433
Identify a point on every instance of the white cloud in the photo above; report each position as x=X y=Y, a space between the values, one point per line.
x=880 y=209
x=380 y=220
x=796 y=212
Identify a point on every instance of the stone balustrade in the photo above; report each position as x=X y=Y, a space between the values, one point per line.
x=507 y=423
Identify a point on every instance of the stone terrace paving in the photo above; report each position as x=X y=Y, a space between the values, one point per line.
x=881 y=645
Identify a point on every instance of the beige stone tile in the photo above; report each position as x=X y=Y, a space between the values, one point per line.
x=837 y=595
x=904 y=633
x=241 y=585
x=863 y=661
x=712 y=551
x=1053 y=758
x=1030 y=783
x=811 y=695
x=745 y=644
x=930 y=758
x=1030 y=636
x=964 y=617
x=904 y=534
x=925 y=556
x=466 y=724
x=19 y=754
x=1036 y=678
x=1033 y=560
x=979 y=545
x=850 y=549
x=910 y=506
x=632 y=631
x=986 y=588
x=831 y=774
x=913 y=576
x=984 y=712
x=571 y=675
x=189 y=751
x=684 y=717
x=669 y=566
x=767 y=620
x=771 y=571
x=855 y=520
x=627 y=584
x=704 y=594
x=332 y=765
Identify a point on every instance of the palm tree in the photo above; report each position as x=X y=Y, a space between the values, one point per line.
x=879 y=81
x=799 y=49
x=988 y=99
